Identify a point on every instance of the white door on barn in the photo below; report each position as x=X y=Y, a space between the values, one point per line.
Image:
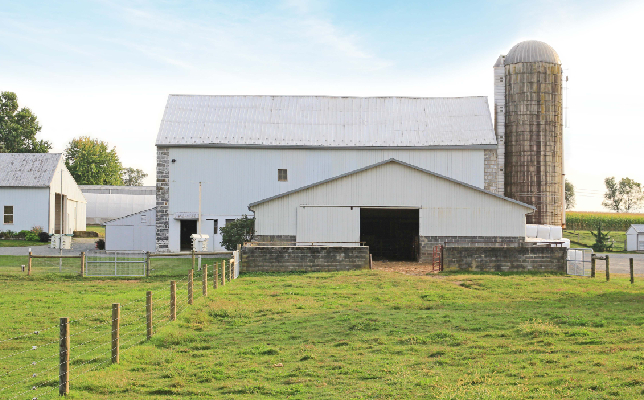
x=328 y=226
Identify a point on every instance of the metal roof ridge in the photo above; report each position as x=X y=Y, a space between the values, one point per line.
x=129 y=215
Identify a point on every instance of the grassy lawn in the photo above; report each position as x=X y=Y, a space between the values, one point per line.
x=20 y=243
x=585 y=239
x=96 y=228
x=355 y=335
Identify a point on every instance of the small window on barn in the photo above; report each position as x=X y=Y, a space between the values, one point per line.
x=8 y=214
x=144 y=219
x=216 y=223
x=228 y=221
x=282 y=175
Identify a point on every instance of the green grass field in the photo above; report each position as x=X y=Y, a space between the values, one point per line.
x=585 y=239
x=97 y=228
x=355 y=335
x=20 y=243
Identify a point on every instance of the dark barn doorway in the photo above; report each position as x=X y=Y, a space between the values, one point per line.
x=391 y=234
x=188 y=228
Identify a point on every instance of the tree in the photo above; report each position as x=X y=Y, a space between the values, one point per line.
x=570 y=195
x=91 y=162
x=237 y=232
x=625 y=195
x=133 y=177
x=601 y=240
x=18 y=127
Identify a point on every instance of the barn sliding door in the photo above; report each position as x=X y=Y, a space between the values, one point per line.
x=328 y=225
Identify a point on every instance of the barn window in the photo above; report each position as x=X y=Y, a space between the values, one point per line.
x=282 y=175
x=144 y=219
x=228 y=221
x=216 y=224
x=8 y=214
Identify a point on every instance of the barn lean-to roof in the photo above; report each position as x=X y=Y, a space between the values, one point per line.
x=322 y=121
x=28 y=169
x=391 y=160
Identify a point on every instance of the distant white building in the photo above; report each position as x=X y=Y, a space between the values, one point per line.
x=105 y=203
x=132 y=232
x=37 y=190
x=635 y=238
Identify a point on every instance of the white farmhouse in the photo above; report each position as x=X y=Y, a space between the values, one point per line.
x=635 y=238
x=243 y=149
x=33 y=188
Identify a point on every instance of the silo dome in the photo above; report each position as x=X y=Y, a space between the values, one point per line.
x=532 y=51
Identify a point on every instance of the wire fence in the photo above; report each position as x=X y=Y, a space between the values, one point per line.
x=42 y=363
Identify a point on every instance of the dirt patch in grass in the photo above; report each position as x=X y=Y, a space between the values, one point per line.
x=405 y=267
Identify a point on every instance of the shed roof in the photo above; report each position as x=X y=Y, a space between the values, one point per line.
x=128 y=216
x=639 y=228
x=28 y=169
x=320 y=121
x=392 y=160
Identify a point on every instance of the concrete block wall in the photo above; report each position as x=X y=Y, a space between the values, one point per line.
x=303 y=258
x=502 y=259
x=427 y=243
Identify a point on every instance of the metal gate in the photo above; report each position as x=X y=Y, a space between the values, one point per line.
x=116 y=263
x=579 y=262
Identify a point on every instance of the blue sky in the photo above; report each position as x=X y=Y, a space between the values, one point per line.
x=104 y=68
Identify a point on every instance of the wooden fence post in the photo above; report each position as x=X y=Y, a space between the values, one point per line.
x=148 y=309
x=82 y=263
x=223 y=272
x=173 y=300
x=215 y=274
x=607 y=268
x=193 y=258
x=231 y=272
x=63 y=361
x=190 y=285
x=29 y=265
x=370 y=261
x=116 y=326
x=205 y=280
x=592 y=266
x=632 y=271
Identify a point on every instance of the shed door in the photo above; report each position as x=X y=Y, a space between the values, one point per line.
x=641 y=242
x=329 y=225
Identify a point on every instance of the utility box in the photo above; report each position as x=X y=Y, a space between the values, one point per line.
x=199 y=242
x=57 y=243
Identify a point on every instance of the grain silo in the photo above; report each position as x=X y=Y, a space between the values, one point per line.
x=531 y=140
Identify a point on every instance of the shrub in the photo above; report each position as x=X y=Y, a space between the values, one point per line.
x=28 y=235
x=43 y=237
x=36 y=229
x=100 y=244
x=237 y=232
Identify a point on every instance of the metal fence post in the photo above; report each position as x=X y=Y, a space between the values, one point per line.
x=173 y=300
x=63 y=352
x=148 y=309
x=116 y=317
x=215 y=274
x=193 y=258
x=147 y=264
x=190 y=285
x=632 y=271
x=607 y=268
x=205 y=280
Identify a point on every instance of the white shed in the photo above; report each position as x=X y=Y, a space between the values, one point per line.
x=635 y=238
x=398 y=209
x=132 y=232
x=33 y=187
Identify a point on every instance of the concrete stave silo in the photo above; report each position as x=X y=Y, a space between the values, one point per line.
x=533 y=130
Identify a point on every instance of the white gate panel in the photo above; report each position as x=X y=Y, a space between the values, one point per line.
x=328 y=226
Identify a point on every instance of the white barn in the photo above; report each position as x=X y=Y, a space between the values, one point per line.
x=105 y=203
x=635 y=238
x=246 y=148
x=33 y=187
x=132 y=232
x=388 y=206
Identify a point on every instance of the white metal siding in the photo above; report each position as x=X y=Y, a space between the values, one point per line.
x=446 y=208
x=131 y=232
x=105 y=207
x=233 y=178
x=329 y=224
x=30 y=208
x=75 y=214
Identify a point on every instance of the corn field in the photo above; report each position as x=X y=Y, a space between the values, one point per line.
x=610 y=221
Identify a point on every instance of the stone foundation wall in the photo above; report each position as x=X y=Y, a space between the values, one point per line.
x=427 y=243
x=303 y=258
x=275 y=240
x=515 y=259
x=163 y=197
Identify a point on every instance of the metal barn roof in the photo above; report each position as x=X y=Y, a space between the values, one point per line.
x=532 y=51
x=107 y=189
x=639 y=228
x=319 y=121
x=28 y=169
